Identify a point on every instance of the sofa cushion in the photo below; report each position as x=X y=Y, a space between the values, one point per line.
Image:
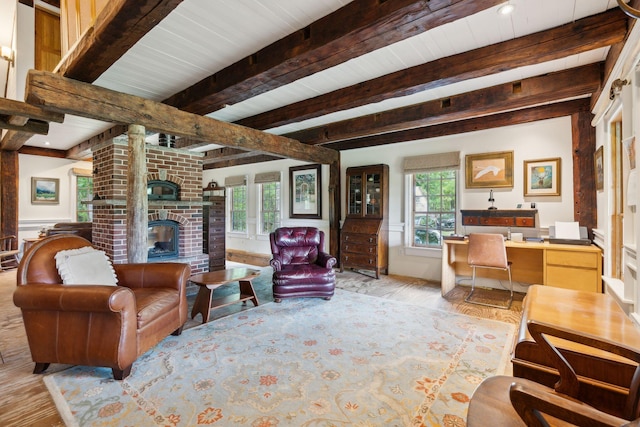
x=85 y=266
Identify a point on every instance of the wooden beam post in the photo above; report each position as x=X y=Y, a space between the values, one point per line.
x=9 y=172
x=137 y=202
x=584 y=186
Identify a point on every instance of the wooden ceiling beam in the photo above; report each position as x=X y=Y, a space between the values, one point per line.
x=586 y=34
x=226 y=153
x=62 y=95
x=260 y=158
x=357 y=28
x=576 y=82
x=120 y=25
x=527 y=115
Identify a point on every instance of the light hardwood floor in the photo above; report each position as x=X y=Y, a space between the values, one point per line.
x=25 y=401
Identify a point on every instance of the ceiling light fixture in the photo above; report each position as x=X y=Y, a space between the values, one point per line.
x=506 y=9
x=7 y=54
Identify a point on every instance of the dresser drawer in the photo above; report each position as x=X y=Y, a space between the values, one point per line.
x=359 y=248
x=363 y=239
x=360 y=260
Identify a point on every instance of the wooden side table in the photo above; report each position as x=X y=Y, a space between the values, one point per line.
x=211 y=281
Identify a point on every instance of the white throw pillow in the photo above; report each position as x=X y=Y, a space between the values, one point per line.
x=85 y=266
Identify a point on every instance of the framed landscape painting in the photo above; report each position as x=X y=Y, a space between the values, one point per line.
x=489 y=170
x=542 y=177
x=45 y=191
x=305 y=200
x=599 y=168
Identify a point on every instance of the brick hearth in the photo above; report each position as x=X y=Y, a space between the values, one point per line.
x=181 y=167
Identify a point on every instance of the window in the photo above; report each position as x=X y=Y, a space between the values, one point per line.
x=433 y=207
x=269 y=201
x=269 y=207
x=431 y=192
x=238 y=208
x=84 y=193
x=237 y=194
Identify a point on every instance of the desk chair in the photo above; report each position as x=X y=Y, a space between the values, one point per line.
x=488 y=251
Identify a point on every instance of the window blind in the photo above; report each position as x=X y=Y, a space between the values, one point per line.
x=431 y=162
x=235 y=181
x=264 y=177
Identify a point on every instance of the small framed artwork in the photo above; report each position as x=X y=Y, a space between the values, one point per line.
x=542 y=177
x=489 y=170
x=630 y=148
x=45 y=191
x=599 y=168
x=305 y=197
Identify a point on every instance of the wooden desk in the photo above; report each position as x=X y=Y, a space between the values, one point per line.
x=604 y=377
x=564 y=266
x=208 y=282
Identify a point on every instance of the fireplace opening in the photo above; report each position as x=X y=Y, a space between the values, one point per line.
x=163 y=239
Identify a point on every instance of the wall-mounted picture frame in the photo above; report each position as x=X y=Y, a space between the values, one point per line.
x=599 y=168
x=45 y=191
x=630 y=148
x=542 y=177
x=489 y=170
x=305 y=192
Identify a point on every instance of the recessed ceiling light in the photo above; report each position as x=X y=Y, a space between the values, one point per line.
x=47 y=143
x=506 y=9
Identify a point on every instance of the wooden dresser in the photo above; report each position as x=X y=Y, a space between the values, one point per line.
x=364 y=238
x=213 y=227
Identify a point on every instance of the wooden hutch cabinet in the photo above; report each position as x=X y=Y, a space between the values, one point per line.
x=364 y=238
x=213 y=227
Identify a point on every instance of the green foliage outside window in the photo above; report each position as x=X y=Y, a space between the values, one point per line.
x=84 y=192
x=239 y=208
x=270 y=207
x=434 y=207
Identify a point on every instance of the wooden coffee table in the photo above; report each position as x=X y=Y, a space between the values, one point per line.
x=211 y=281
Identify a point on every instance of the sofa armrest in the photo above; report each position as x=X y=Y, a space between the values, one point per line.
x=172 y=275
x=80 y=298
x=326 y=260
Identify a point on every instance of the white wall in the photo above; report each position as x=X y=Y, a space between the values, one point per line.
x=533 y=141
x=32 y=217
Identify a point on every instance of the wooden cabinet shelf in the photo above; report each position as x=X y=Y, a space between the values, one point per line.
x=364 y=237
x=500 y=217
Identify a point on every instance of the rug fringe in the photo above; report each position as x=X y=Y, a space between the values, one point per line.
x=61 y=404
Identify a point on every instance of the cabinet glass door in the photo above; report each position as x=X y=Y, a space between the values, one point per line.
x=355 y=194
x=372 y=194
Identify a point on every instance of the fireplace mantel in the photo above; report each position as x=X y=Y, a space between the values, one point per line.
x=152 y=203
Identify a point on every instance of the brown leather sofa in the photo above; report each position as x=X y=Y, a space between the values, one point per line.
x=97 y=325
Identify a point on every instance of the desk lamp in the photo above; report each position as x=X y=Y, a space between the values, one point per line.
x=491 y=199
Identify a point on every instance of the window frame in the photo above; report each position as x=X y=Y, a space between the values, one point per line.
x=426 y=250
x=260 y=226
x=230 y=210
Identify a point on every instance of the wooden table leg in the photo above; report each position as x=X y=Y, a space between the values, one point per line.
x=202 y=303
x=246 y=289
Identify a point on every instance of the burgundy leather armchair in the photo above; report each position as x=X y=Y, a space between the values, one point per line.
x=301 y=268
x=97 y=325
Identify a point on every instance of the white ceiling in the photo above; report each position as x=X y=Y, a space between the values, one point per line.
x=204 y=36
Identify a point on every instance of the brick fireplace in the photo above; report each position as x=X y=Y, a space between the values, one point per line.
x=179 y=167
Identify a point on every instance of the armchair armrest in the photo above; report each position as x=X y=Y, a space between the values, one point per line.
x=326 y=260
x=80 y=298
x=155 y=275
x=276 y=263
x=530 y=401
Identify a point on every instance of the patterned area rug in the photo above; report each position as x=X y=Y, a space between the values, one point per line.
x=356 y=360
